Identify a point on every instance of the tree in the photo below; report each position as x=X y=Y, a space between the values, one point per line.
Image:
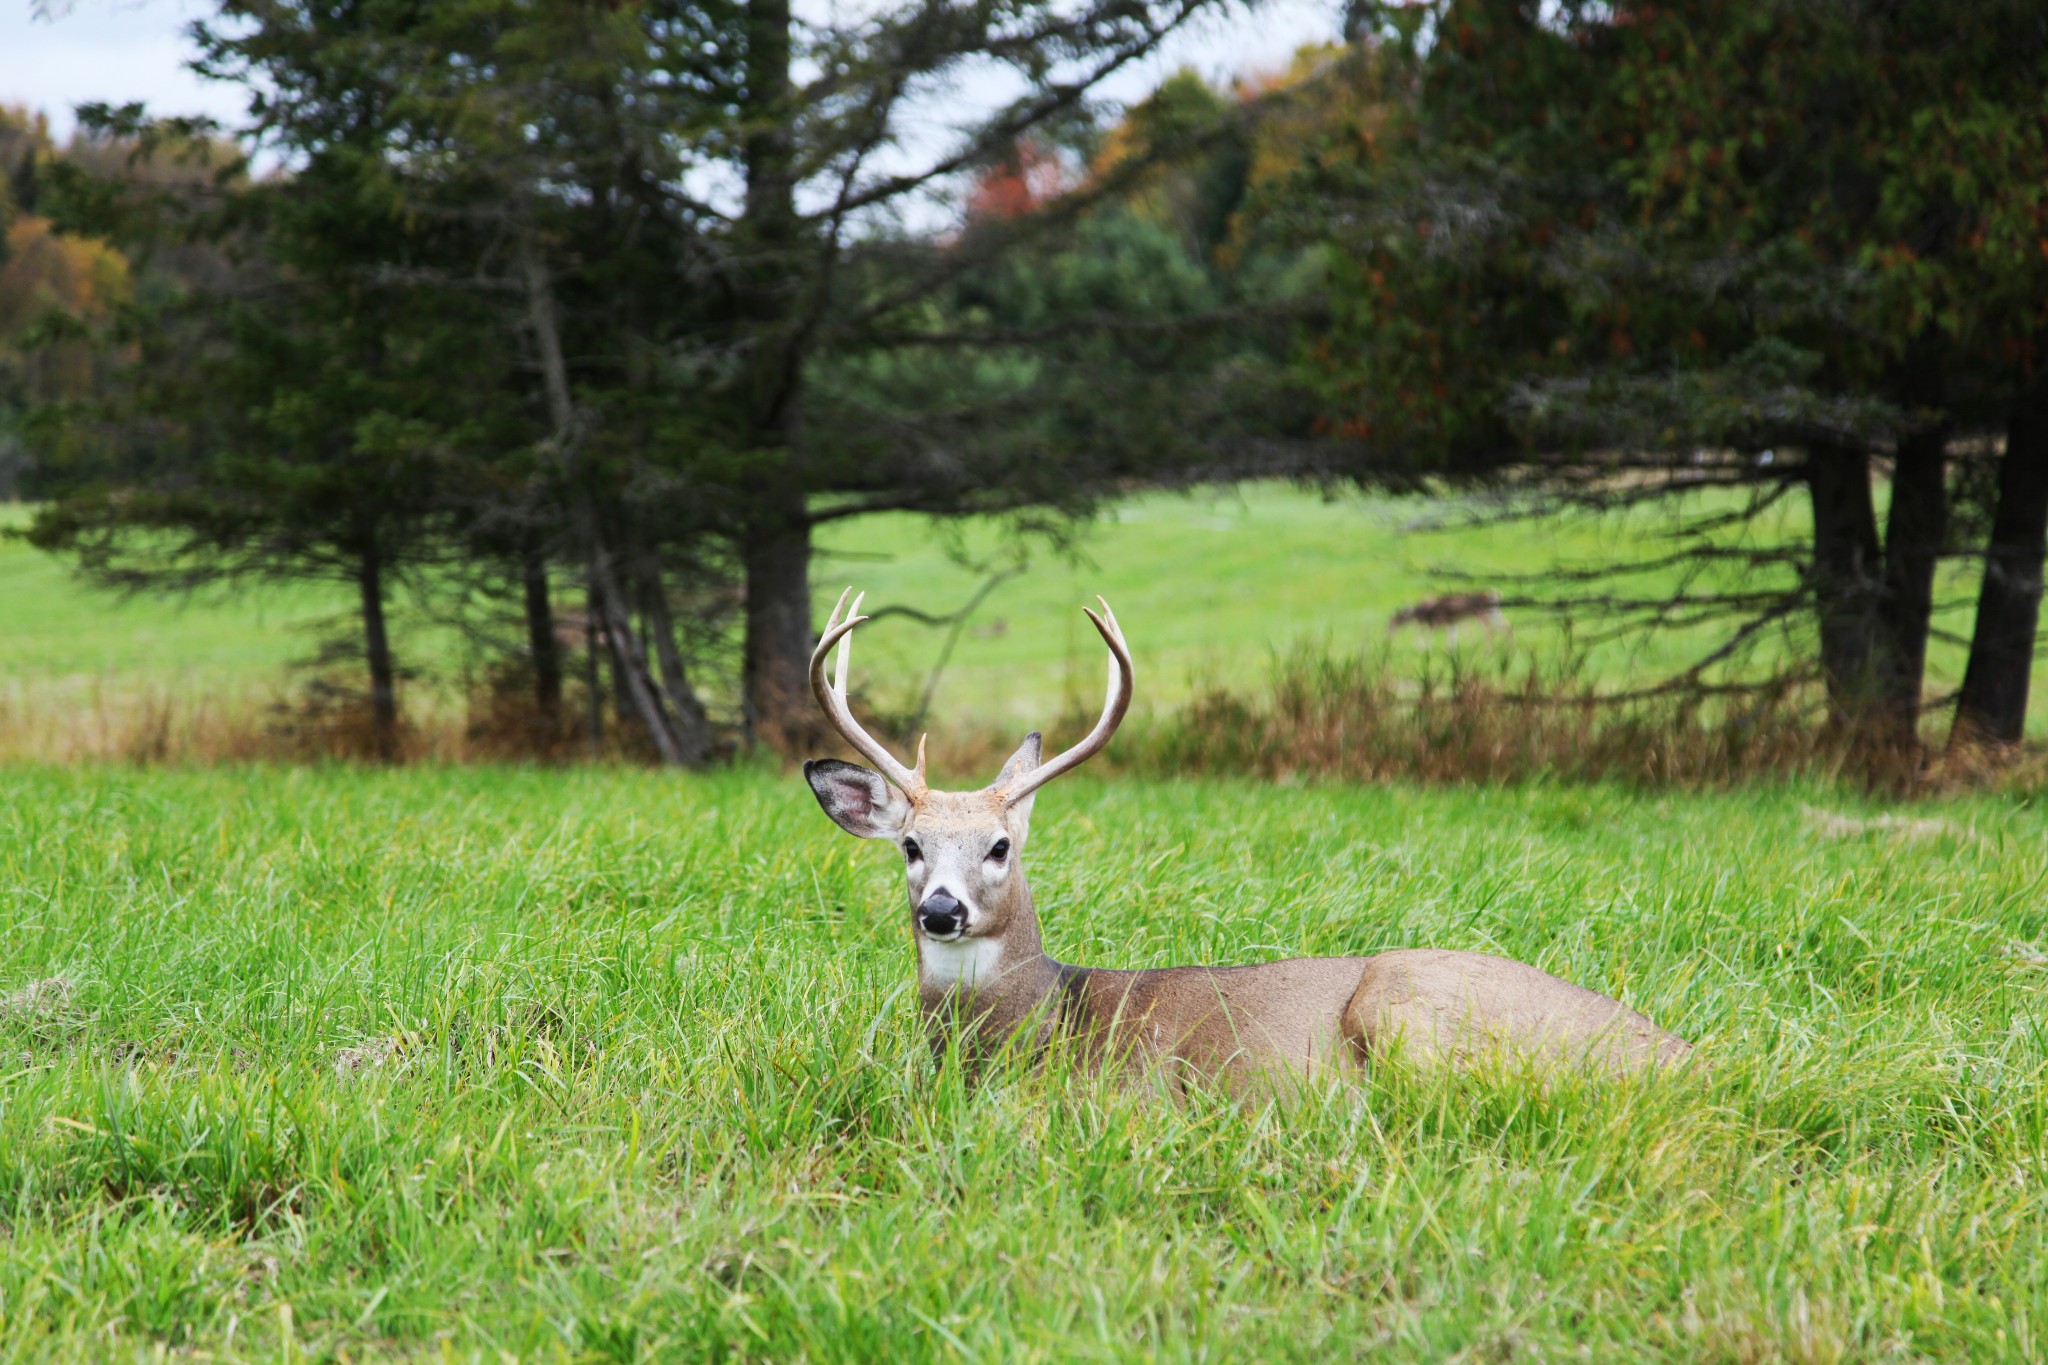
x=566 y=138
x=57 y=290
x=1993 y=703
x=826 y=165
x=1661 y=240
x=293 y=424
x=482 y=218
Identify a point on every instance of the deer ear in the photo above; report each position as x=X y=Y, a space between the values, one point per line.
x=1027 y=757
x=1023 y=761
x=859 y=801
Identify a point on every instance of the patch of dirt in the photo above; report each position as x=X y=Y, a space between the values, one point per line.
x=1836 y=825
x=372 y=1055
x=259 y=1275
x=38 y=1001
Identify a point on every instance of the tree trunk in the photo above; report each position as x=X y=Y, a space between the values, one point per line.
x=377 y=655
x=541 y=642
x=776 y=548
x=637 y=687
x=1915 y=530
x=693 y=725
x=1993 y=705
x=591 y=683
x=547 y=338
x=769 y=221
x=1847 y=578
x=777 y=660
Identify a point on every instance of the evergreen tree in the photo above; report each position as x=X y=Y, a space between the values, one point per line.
x=293 y=422
x=1668 y=238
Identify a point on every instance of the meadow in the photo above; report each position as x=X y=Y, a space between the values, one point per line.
x=605 y=1064
x=600 y=1063
x=1212 y=586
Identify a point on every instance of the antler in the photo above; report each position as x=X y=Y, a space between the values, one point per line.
x=838 y=632
x=1122 y=682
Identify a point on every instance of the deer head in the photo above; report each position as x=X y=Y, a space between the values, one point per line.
x=970 y=908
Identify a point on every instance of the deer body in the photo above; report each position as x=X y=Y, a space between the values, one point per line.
x=982 y=966
x=1208 y=1021
x=1445 y=613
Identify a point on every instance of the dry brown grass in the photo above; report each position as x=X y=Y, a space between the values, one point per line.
x=1836 y=825
x=67 y=722
x=71 y=721
x=1318 y=717
x=1350 y=719
x=40 y=1000
x=319 y=718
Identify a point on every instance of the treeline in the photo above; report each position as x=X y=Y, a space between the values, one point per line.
x=626 y=302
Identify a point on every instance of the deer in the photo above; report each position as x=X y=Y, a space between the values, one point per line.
x=984 y=977
x=1439 y=613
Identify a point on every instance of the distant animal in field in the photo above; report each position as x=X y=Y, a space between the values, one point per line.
x=573 y=631
x=983 y=975
x=1446 y=612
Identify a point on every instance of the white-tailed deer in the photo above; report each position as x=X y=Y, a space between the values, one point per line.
x=982 y=968
x=1441 y=613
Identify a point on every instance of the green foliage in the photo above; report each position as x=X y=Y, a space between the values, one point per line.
x=59 y=292
x=1613 y=251
x=1003 y=406
x=295 y=427
x=615 y=1066
x=365 y=393
x=1688 y=224
x=996 y=392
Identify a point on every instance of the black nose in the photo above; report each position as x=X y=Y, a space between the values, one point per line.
x=941 y=914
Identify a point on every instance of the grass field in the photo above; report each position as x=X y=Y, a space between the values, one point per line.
x=1209 y=586
x=491 y=1064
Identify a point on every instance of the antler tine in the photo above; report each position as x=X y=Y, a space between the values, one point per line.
x=838 y=609
x=846 y=645
x=840 y=713
x=1122 y=684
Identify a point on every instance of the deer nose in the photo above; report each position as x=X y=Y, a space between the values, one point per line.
x=941 y=914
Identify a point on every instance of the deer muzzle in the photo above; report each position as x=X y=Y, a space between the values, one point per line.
x=941 y=915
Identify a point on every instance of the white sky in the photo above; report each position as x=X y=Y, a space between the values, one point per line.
x=121 y=50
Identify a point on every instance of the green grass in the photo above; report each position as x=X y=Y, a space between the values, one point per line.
x=56 y=629
x=653 y=1085
x=1209 y=587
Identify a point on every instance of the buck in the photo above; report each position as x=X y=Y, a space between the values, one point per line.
x=983 y=970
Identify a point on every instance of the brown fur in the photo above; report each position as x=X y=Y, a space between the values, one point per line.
x=1435 y=613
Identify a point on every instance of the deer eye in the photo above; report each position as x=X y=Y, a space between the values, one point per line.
x=911 y=852
x=1000 y=851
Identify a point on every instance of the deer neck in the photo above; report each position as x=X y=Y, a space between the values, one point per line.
x=1000 y=978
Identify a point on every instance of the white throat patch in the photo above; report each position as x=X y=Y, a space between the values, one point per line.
x=963 y=962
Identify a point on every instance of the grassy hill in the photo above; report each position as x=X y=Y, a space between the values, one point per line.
x=54 y=628
x=1209 y=587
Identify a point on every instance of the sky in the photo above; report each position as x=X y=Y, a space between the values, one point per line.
x=115 y=51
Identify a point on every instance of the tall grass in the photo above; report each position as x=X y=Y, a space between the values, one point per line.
x=1348 y=717
x=316 y=719
x=1352 y=717
x=481 y=1064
